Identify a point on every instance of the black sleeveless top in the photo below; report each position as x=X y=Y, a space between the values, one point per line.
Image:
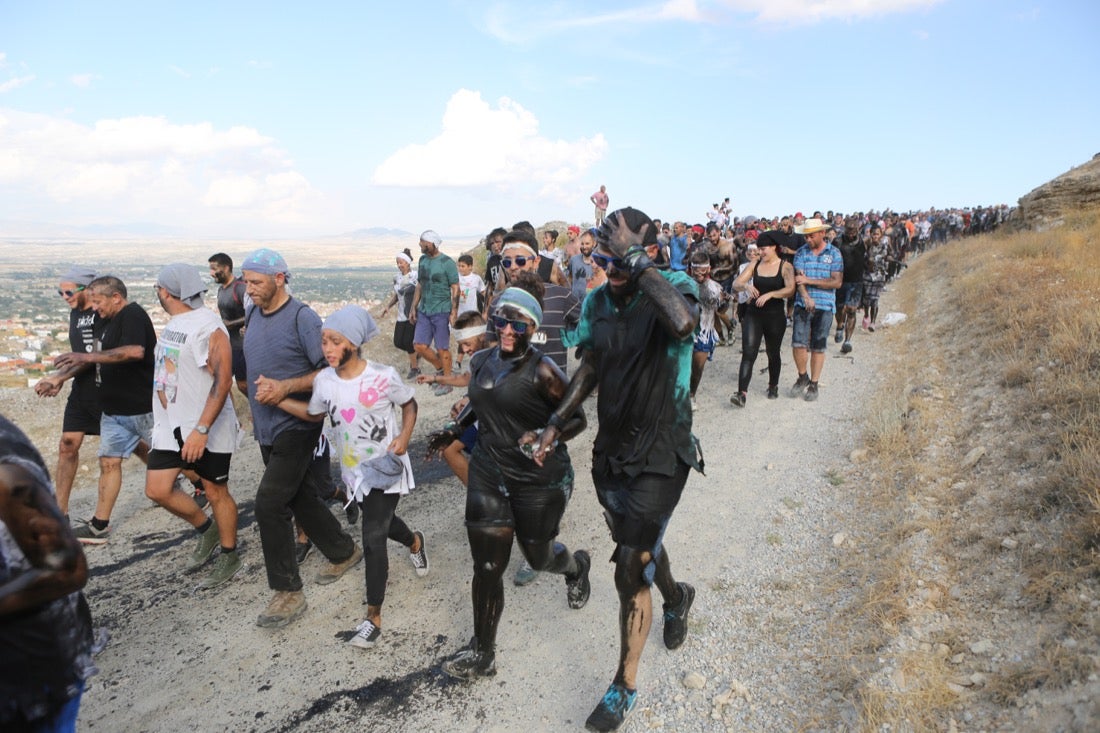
x=505 y=397
x=765 y=284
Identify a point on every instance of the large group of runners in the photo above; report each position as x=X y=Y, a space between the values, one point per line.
x=642 y=304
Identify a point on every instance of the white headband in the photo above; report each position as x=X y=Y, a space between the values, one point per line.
x=461 y=334
x=519 y=245
x=403 y=256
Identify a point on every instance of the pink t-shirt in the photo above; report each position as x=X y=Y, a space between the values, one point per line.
x=600 y=199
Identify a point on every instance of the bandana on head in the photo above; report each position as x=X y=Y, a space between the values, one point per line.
x=522 y=301
x=353 y=323
x=79 y=275
x=461 y=334
x=266 y=262
x=182 y=281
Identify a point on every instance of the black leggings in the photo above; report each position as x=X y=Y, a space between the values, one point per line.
x=380 y=522
x=771 y=325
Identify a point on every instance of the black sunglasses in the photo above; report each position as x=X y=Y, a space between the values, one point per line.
x=520 y=261
x=499 y=322
x=69 y=293
x=602 y=261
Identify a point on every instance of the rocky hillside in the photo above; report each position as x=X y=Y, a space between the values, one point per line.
x=1077 y=189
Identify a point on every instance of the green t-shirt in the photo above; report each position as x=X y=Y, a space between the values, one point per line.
x=436 y=275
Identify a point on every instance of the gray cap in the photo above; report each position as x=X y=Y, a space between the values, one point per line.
x=182 y=281
x=353 y=323
x=79 y=275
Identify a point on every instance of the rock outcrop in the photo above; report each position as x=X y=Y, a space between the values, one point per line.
x=1076 y=190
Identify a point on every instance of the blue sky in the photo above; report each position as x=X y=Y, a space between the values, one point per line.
x=245 y=119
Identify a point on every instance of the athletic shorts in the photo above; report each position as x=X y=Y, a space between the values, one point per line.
x=119 y=434
x=403 y=336
x=811 y=329
x=433 y=327
x=468 y=438
x=640 y=508
x=82 y=415
x=705 y=345
x=849 y=295
x=240 y=370
x=534 y=512
x=213 y=467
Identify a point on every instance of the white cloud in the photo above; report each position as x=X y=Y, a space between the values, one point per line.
x=812 y=11
x=484 y=146
x=15 y=83
x=84 y=80
x=182 y=73
x=148 y=168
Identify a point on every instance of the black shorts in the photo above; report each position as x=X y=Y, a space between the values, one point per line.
x=81 y=415
x=240 y=370
x=403 y=332
x=534 y=512
x=640 y=507
x=213 y=467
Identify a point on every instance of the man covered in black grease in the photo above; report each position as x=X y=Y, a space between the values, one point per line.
x=636 y=332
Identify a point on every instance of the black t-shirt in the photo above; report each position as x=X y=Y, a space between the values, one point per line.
x=792 y=241
x=494 y=272
x=231 y=308
x=855 y=258
x=126 y=388
x=85 y=329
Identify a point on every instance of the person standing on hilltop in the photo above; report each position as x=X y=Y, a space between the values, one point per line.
x=231 y=302
x=194 y=424
x=82 y=409
x=637 y=334
x=435 y=307
x=124 y=368
x=282 y=348
x=600 y=199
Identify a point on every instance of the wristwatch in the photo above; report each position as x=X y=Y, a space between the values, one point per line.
x=202 y=429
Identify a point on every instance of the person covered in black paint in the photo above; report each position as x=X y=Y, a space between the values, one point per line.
x=513 y=492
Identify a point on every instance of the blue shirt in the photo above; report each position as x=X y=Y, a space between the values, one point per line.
x=677 y=251
x=818 y=267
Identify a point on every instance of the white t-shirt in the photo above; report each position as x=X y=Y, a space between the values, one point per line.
x=363 y=415
x=468 y=288
x=182 y=377
x=400 y=283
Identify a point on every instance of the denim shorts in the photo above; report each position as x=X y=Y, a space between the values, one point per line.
x=811 y=329
x=849 y=295
x=119 y=434
x=433 y=327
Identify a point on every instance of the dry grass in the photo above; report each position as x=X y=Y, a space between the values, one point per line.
x=1002 y=351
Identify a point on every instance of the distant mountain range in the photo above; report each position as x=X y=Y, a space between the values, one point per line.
x=127 y=230
x=377 y=232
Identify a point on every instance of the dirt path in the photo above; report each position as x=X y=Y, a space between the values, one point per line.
x=750 y=535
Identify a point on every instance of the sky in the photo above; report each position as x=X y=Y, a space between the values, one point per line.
x=280 y=120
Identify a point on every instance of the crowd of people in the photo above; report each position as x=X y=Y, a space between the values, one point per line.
x=644 y=304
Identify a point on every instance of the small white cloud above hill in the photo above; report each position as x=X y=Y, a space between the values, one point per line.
x=481 y=145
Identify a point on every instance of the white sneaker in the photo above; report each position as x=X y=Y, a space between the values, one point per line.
x=366 y=634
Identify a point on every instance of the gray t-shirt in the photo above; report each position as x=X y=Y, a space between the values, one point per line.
x=280 y=345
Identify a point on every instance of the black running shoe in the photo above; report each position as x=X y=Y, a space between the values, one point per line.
x=773 y=392
x=578 y=589
x=798 y=389
x=302 y=550
x=738 y=400
x=676 y=617
x=470 y=664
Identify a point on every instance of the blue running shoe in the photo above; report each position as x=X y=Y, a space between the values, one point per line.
x=612 y=710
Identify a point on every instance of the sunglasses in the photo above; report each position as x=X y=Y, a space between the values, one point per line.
x=69 y=293
x=603 y=262
x=519 y=327
x=520 y=261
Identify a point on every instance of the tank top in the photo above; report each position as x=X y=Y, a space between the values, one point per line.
x=764 y=284
x=506 y=400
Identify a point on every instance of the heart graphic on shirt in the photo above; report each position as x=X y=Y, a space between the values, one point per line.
x=348 y=414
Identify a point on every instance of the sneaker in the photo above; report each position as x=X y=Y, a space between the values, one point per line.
x=89 y=535
x=226 y=567
x=420 y=557
x=612 y=710
x=579 y=588
x=470 y=663
x=694 y=405
x=846 y=348
x=366 y=634
x=525 y=574
x=676 y=617
x=811 y=392
x=866 y=322
x=798 y=389
x=208 y=544
x=441 y=389
x=335 y=570
x=412 y=373
x=285 y=606
x=302 y=550
x=773 y=391
x=871 y=328
x=739 y=399
x=839 y=336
